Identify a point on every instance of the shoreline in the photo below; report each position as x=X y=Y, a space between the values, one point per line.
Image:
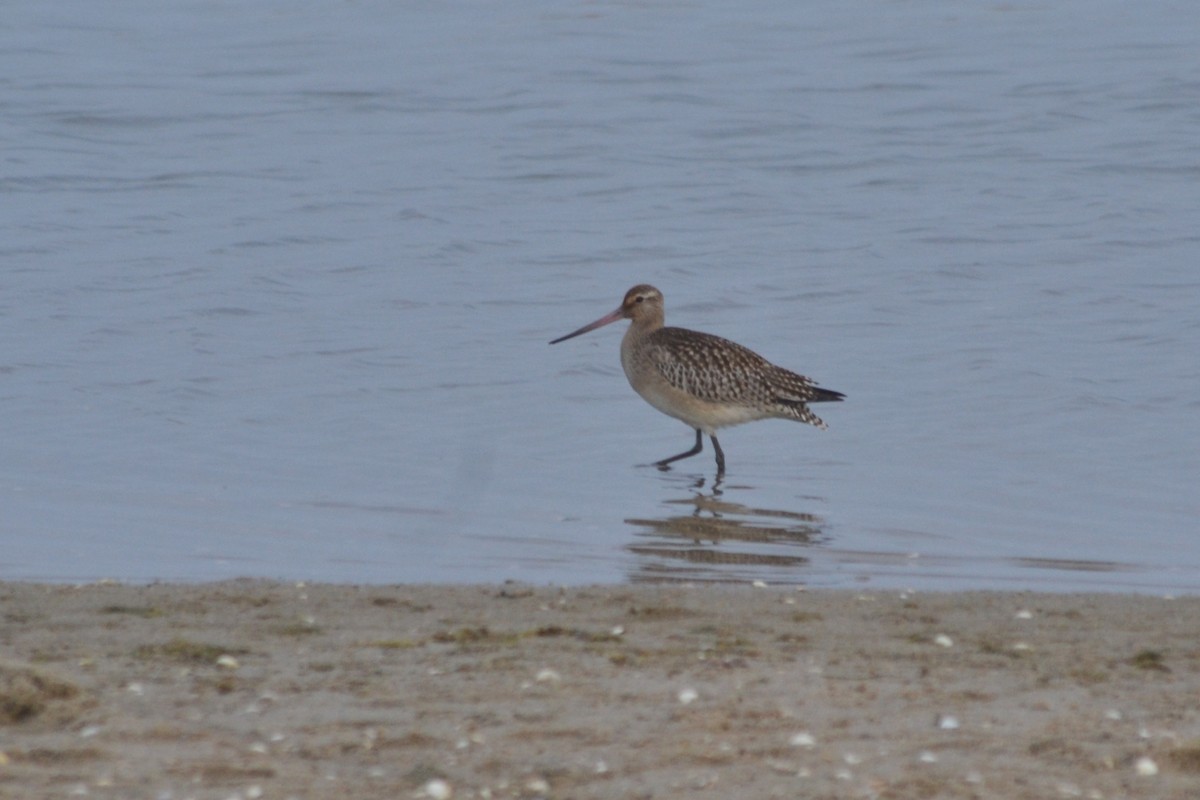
x=253 y=688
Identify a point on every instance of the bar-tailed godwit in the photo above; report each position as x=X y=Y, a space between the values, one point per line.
x=704 y=380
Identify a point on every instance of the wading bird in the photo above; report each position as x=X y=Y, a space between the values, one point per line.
x=704 y=380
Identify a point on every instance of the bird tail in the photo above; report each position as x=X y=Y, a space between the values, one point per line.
x=797 y=410
x=820 y=395
x=787 y=385
x=793 y=392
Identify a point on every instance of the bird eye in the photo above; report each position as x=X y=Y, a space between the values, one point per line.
x=639 y=299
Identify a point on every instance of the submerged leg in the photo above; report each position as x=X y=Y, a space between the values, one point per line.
x=699 y=446
x=720 y=456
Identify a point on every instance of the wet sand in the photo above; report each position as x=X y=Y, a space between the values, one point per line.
x=255 y=689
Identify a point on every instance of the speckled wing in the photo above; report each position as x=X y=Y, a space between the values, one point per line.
x=717 y=370
x=710 y=368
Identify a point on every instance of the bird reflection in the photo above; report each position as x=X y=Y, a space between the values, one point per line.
x=714 y=539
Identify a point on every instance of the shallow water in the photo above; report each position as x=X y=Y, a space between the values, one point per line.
x=276 y=283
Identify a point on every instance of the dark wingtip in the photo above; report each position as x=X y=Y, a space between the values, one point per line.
x=826 y=395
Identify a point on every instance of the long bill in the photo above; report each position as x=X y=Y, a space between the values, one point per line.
x=591 y=326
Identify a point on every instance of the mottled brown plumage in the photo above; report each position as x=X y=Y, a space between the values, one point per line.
x=704 y=380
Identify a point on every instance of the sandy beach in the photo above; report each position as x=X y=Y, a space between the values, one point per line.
x=252 y=689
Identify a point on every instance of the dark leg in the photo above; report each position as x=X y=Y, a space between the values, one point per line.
x=720 y=456
x=699 y=446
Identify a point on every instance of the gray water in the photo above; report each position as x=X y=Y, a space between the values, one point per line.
x=277 y=281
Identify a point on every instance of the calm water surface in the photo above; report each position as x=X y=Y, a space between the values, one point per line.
x=277 y=279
